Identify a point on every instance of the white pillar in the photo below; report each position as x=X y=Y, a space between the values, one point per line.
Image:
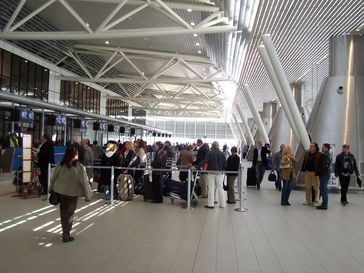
x=54 y=88
x=102 y=104
x=246 y=126
x=300 y=126
x=254 y=110
x=239 y=129
x=277 y=87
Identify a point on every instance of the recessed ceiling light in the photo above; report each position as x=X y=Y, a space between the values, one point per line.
x=87 y=24
x=195 y=35
x=107 y=42
x=199 y=52
x=25 y=61
x=189 y=10
x=192 y=23
x=203 y=69
x=197 y=44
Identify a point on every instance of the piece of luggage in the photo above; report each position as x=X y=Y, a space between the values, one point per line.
x=139 y=187
x=126 y=187
x=147 y=189
x=251 y=179
x=172 y=186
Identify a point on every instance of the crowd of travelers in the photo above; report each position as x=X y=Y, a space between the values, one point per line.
x=217 y=168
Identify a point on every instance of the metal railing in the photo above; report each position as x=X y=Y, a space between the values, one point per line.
x=191 y=172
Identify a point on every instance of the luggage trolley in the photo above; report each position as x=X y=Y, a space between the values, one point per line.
x=31 y=186
x=183 y=191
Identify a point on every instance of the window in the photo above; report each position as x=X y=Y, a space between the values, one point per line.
x=80 y=96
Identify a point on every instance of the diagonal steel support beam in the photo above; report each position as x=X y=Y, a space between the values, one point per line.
x=178 y=18
x=126 y=16
x=30 y=16
x=111 y=66
x=111 y=15
x=185 y=64
x=105 y=65
x=75 y=15
x=133 y=65
x=14 y=15
x=80 y=63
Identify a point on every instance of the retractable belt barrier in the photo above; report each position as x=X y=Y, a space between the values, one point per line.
x=190 y=171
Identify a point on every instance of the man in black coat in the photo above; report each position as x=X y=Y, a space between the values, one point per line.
x=45 y=156
x=260 y=161
x=203 y=149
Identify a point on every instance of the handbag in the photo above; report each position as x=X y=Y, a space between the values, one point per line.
x=358 y=181
x=272 y=177
x=54 y=198
x=225 y=186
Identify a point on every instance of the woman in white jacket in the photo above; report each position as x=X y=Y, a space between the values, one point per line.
x=70 y=181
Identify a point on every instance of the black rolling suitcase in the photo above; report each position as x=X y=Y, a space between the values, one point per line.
x=147 y=189
x=251 y=179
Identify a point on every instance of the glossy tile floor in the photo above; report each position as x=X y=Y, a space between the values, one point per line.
x=143 y=237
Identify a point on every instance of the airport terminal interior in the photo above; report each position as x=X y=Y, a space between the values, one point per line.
x=179 y=110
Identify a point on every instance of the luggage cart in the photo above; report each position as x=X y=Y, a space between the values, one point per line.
x=183 y=191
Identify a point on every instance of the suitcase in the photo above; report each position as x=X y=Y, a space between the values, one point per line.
x=126 y=187
x=147 y=189
x=251 y=179
x=172 y=186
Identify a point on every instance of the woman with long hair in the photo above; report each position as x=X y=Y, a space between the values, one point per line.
x=70 y=181
x=286 y=166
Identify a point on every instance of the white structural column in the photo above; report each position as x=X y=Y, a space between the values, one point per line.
x=273 y=77
x=246 y=126
x=301 y=128
x=254 y=110
x=239 y=129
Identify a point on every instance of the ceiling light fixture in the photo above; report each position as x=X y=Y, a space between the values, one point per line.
x=199 y=52
x=87 y=24
x=107 y=42
x=192 y=23
x=197 y=44
x=195 y=35
x=189 y=10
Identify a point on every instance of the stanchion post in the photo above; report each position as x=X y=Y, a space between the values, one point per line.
x=112 y=185
x=189 y=189
x=48 y=177
x=241 y=192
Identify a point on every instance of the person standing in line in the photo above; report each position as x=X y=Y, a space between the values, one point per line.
x=277 y=157
x=310 y=167
x=185 y=160
x=70 y=181
x=232 y=164
x=324 y=175
x=88 y=158
x=96 y=150
x=260 y=161
x=159 y=162
x=216 y=161
x=286 y=166
x=109 y=159
x=203 y=149
x=345 y=166
x=45 y=156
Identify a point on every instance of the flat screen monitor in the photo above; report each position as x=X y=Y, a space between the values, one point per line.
x=110 y=128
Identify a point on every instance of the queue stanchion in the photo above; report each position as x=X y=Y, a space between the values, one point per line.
x=241 y=192
x=112 y=185
x=189 y=189
x=48 y=178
